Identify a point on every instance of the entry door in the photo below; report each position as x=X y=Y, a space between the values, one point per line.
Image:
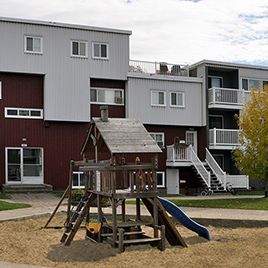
x=24 y=165
x=173 y=181
x=191 y=138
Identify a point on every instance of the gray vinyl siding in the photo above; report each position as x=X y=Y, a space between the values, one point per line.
x=66 y=83
x=252 y=74
x=139 y=102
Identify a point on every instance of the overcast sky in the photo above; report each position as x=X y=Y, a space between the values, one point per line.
x=175 y=31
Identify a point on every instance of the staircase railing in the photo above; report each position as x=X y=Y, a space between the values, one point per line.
x=216 y=169
x=202 y=171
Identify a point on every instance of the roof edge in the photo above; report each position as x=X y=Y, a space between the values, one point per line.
x=65 y=25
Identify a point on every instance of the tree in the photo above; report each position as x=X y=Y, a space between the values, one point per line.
x=252 y=157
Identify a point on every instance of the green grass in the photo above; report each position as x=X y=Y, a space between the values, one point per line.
x=58 y=193
x=243 y=203
x=4 y=196
x=253 y=192
x=7 y=206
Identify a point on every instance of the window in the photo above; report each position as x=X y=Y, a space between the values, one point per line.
x=158 y=98
x=78 y=179
x=214 y=81
x=79 y=49
x=33 y=44
x=216 y=121
x=254 y=84
x=23 y=113
x=111 y=96
x=160 y=179
x=177 y=99
x=0 y=90
x=24 y=165
x=100 y=50
x=159 y=138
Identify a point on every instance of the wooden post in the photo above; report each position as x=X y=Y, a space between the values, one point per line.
x=114 y=222
x=86 y=193
x=138 y=209
x=124 y=210
x=70 y=190
x=57 y=207
x=121 y=240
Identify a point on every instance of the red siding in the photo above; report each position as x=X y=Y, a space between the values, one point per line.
x=115 y=111
x=61 y=141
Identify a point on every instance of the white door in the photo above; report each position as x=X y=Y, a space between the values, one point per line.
x=173 y=181
x=24 y=165
x=191 y=138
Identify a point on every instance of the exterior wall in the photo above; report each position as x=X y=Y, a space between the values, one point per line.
x=252 y=73
x=139 y=101
x=66 y=86
x=115 y=111
x=61 y=141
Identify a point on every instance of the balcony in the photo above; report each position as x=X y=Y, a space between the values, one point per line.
x=227 y=98
x=223 y=139
x=159 y=68
x=178 y=157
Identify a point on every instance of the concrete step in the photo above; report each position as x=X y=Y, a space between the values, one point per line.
x=27 y=188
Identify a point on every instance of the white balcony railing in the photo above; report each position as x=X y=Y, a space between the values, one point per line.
x=224 y=137
x=163 y=68
x=227 y=96
x=181 y=154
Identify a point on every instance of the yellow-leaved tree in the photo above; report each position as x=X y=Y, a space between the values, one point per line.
x=252 y=157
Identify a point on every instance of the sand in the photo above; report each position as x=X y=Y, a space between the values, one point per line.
x=26 y=242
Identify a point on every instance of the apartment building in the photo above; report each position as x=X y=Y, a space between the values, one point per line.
x=54 y=77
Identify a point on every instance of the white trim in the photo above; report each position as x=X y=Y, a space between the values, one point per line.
x=32 y=51
x=23 y=116
x=24 y=179
x=0 y=90
x=153 y=134
x=79 y=180
x=163 y=185
x=183 y=99
x=165 y=98
x=107 y=50
x=79 y=42
x=108 y=89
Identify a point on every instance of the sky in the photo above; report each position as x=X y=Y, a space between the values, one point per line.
x=174 y=31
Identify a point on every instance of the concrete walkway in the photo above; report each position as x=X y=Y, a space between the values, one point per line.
x=4 y=264
x=45 y=203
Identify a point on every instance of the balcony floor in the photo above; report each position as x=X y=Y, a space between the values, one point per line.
x=178 y=163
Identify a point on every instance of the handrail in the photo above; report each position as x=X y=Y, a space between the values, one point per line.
x=220 y=174
x=202 y=171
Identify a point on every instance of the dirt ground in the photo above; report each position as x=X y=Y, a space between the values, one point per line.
x=26 y=242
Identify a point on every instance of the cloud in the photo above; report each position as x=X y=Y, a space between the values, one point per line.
x=177 y=31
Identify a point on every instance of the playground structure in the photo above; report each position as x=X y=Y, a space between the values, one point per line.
x=129 y=173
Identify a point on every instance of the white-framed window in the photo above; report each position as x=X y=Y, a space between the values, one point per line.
x=100 y=50
x=24 y=165
x=79 y=48
x=215 y=81
x=0 y=90
x=33 y=44
x=159 y=137
x=160 y=179
x=26 y=113
x=112 y=96
x=177 y=99
x=254 y=84
x=78 y=179
x=158 y=98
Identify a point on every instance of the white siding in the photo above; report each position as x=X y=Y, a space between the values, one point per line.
x=66 y=85
x=139 y=101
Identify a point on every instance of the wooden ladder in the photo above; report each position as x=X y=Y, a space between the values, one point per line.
x=74 y=222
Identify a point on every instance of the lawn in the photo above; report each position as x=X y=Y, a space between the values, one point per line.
x=4 y=196
x=6 y=205
x=243 y=203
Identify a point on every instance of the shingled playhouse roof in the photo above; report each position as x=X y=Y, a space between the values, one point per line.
x=125 y=135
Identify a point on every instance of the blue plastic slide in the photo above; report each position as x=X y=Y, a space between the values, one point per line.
x=179 y=215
